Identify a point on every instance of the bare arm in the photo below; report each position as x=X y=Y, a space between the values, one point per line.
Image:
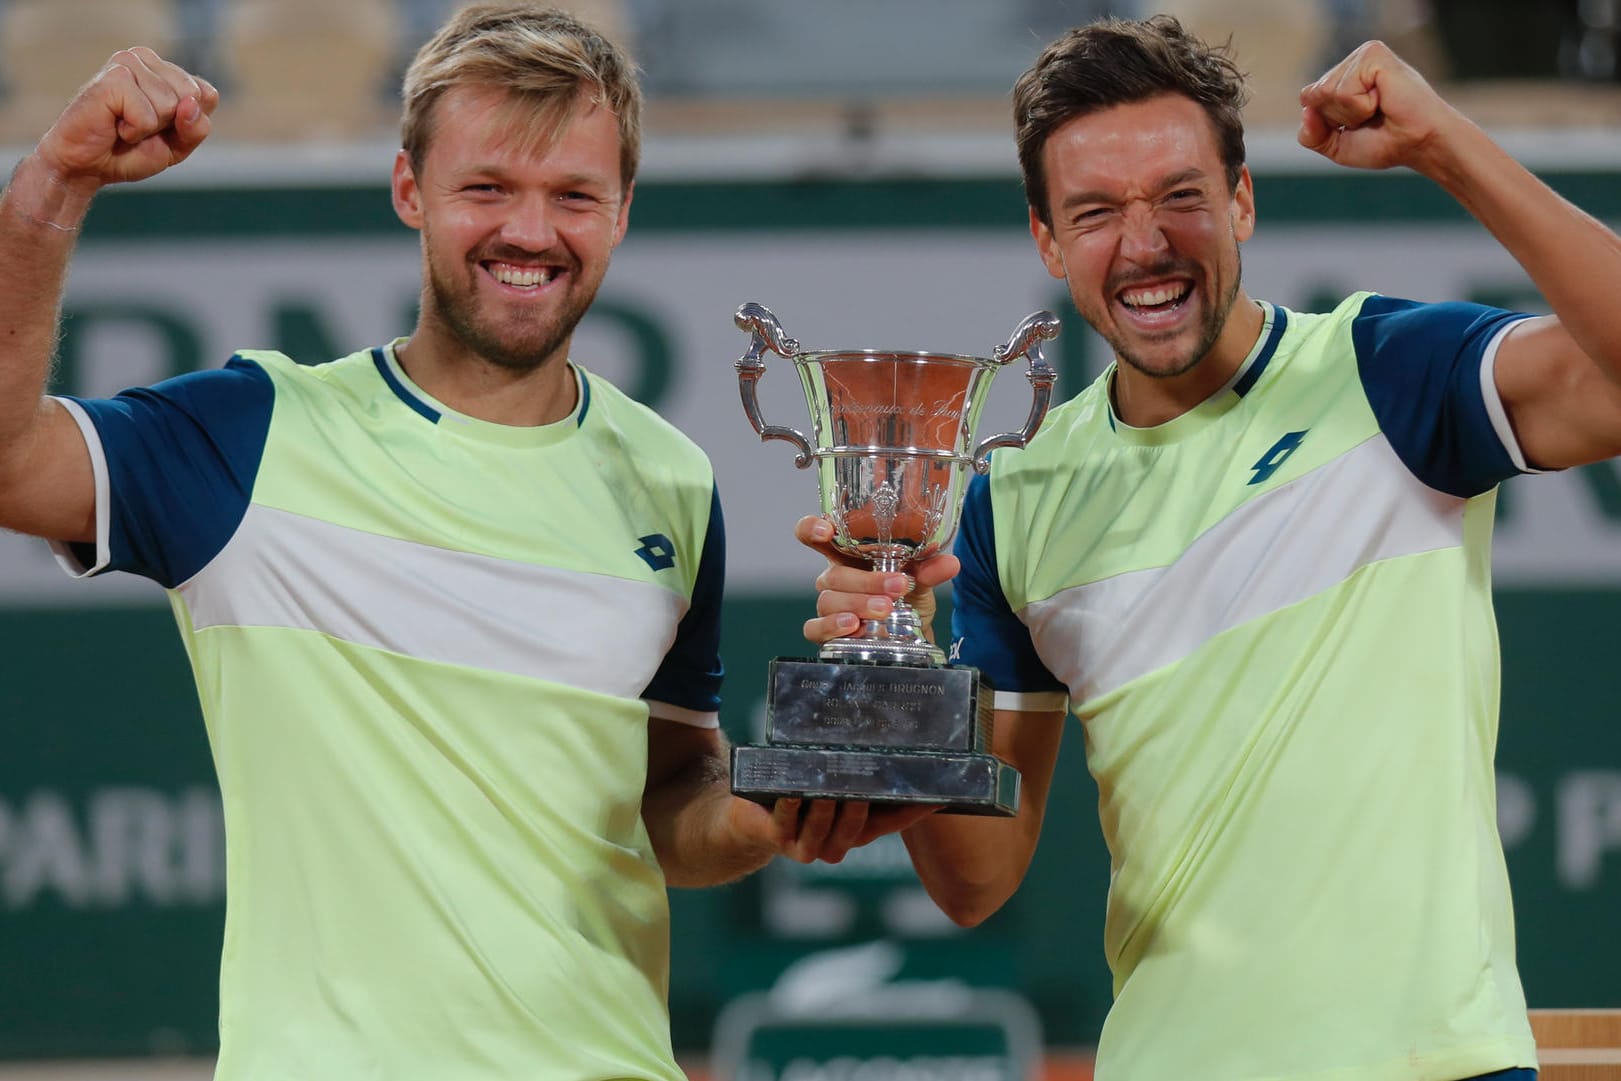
x=1559 y=376
x=137 y=117
x=969 y=866
x=704 y=836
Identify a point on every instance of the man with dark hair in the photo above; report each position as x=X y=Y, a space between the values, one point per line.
x=1253 y=559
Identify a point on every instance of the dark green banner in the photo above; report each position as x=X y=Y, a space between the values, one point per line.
x=111 y=865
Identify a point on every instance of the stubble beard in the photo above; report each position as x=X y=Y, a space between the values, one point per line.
x=1213 y=323
x=520 y=350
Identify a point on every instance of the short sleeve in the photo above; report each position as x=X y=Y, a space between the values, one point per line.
x=686 y=687
x=175 y=465
x=985 y=632
x=1420 y=366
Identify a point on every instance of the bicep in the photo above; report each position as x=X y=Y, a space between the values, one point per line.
x=51 y=491
x=1563 y=410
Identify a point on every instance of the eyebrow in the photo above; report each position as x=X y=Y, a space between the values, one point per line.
x=571 y=180
x=1165 y=183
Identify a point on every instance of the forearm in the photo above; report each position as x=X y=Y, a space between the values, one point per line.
x=690 y=822
x=1573 y=259
x=969 y=866
x=39 y=222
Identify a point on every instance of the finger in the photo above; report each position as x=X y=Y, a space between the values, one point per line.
x=815 y=531
x=938 y=568
x=857 y=581
x=865 y=605
x=814 y=825
x=191 y=126
x=785 y=822
x=894 y=819
x=849 y=828
x=1347 y=97
x=152 y=83
x=826 y=628
x=1315 y=132
x=133 y=114
x=208 y=95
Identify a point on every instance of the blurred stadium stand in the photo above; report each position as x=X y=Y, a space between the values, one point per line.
x=312 y=70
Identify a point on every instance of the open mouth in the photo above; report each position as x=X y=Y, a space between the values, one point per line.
x=1158 y=299
x=523 y=277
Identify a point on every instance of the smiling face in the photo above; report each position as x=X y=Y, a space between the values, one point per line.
x=515 y=238
x=1146 y=231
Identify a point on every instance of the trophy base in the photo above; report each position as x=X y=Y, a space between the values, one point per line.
x=968 y=783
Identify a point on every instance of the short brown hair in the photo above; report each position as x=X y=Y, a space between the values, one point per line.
x=545 y=58
x=1118 y=62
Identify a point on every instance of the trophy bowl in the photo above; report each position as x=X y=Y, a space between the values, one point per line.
x=879 y=715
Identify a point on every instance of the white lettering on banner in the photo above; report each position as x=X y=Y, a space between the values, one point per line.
x=124 y=845
x=1589 y=825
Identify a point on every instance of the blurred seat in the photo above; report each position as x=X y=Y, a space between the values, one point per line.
x=50 y=48
x=307 y=69
x=1279 y=44
x=1578 y=1045
x=611 y=18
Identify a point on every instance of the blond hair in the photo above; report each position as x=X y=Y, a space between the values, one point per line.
x=545 y=59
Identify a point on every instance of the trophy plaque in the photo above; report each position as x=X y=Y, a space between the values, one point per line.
x=879 y=715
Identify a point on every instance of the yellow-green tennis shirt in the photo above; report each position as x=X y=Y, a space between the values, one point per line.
x=426 y=648
x=1273 y=617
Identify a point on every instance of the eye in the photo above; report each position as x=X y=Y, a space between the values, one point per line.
x=1184 y=196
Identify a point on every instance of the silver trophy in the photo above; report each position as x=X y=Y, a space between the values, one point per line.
x=879 y=715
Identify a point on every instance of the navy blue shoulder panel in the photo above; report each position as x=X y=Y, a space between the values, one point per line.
x=984 y=631
x=690 y=674
x=1420 y=369
x=182 y=456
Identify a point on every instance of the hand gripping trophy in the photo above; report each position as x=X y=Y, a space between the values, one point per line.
x=879 y=715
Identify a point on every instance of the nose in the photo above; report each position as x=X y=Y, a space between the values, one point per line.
x=530 y=224
x=1142 y=235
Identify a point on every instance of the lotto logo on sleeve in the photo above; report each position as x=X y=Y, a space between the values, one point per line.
x=657 y=551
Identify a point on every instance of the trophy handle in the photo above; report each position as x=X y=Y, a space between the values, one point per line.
x=768 y=334
x=1026 y=342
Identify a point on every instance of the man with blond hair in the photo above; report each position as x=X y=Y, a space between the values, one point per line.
x=451 y=603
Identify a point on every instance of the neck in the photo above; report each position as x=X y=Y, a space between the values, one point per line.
x=1146 y=401
x=473 y=386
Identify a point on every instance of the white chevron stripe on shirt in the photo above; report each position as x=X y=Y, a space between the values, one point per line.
x=591 y=631
x=1278 y=549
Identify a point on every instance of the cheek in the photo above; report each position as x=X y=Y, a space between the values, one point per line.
x=1203 y=234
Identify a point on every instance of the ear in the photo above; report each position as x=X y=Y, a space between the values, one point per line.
x=1051 y=257
x=1243 y=210
x=624 y=214
x=407 y=196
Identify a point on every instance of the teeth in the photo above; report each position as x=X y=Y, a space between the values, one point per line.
x=1147 y=298
x=521 y=276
